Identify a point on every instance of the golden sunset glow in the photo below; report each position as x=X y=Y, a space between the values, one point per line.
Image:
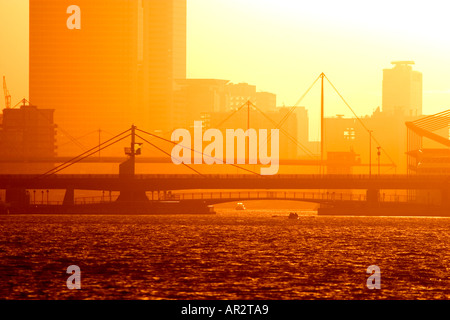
x=248 y=150
x=282 y=46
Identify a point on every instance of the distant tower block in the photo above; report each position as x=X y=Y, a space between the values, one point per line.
x=402 y=90
x=118 y=69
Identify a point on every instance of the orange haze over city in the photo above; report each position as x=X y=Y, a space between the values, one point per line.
x=224 y=149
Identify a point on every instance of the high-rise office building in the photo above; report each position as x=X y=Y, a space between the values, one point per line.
x=164 y=60
x=83 y=63
x=240 y=93
x=402 y=90
x=106 y=64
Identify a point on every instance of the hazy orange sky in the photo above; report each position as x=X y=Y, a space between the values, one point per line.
x=281 y=46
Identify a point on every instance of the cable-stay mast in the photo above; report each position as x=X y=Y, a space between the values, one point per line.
x=132 y=151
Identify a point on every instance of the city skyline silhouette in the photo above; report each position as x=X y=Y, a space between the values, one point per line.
x=224 y=150
x=393 y=40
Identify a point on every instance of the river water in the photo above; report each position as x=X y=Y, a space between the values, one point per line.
x=230 y=255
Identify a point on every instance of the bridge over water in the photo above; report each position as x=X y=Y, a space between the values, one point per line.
x=323 y=187
x=154 y=182
x=133 y=187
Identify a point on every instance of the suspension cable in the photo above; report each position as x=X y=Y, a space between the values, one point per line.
x=96 y=149
x=300 y=145
x=88 y=155
x=288 y=114
x=166 y=153
x=64 y=132
x=196 y=151
x=229 y=116
x=362 y=123
x=292 y=109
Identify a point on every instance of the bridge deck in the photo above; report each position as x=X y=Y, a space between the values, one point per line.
x=223 y=181
x=237 y=196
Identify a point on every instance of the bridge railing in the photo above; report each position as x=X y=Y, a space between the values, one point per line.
x=96 y=199
x=275 y=195
x=241 y=195
x=394 y=198
x=277 y=176
x=282 y=195
x=80 y=200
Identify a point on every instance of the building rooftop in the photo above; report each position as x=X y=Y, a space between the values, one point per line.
x=402 y=62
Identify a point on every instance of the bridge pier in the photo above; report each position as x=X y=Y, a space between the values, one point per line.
x=69 y=197
x=130 y=191
x=372 y=196
x=132 y=194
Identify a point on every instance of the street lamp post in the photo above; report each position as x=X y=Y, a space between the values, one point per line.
x=379 y=155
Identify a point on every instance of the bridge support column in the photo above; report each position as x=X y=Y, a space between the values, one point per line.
x=69 y=197
x=130 y=191
x=132 y=194
x=372 y=196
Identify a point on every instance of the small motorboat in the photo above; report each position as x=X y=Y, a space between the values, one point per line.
x=293 y=215
x=240 y=206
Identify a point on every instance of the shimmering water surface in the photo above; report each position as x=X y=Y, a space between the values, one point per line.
x=230 y=255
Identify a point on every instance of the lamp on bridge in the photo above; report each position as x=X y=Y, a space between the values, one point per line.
x=130 y=192
x=137 y=149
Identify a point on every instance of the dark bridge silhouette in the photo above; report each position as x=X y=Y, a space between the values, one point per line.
x=133 y=187
x=253 y=187
x=153 y=182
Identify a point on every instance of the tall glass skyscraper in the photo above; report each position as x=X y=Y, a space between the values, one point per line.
x=164 y=60
x=106 y=64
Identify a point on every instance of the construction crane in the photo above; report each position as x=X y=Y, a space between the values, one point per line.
x=7 y=95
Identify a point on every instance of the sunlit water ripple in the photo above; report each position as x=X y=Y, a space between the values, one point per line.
x=231 y=255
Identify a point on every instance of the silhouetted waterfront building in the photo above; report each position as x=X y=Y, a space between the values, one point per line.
x=27 y=134
x=197 y=96
x=349 y=135
x=428 y=153
x=266 y=101
x=402 y=90
x=240 y=93
x=342 y=162
x=428 y=143
x=402 y=102
x=303 y=130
